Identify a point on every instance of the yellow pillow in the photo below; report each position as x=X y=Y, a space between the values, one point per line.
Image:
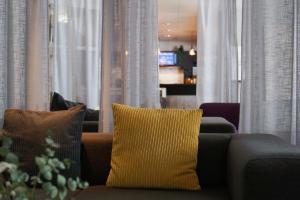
x=154 y=148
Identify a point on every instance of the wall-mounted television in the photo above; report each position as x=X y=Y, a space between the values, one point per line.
x=167 y=58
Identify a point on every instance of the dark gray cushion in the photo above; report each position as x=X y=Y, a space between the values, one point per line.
x=212 y=159
x=216 y=125
x=105 y=193
x=208 y=125
x=263 y=167
x=59 y=103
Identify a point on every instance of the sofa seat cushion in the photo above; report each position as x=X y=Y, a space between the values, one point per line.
x=107 y=193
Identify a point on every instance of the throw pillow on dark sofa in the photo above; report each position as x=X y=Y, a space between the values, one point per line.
x=28 y=130
x=59 y=103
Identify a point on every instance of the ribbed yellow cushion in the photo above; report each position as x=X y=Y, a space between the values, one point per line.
x=155 y=148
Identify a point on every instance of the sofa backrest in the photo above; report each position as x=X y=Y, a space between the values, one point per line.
x=229 y=111
x=211 y=166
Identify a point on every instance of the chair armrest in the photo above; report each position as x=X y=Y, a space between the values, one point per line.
x=261 y=167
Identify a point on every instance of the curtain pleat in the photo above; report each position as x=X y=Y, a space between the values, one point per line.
x=77 y=50
x=23 y=59
x=270 y=63
x=130 y=56
x=217 y=52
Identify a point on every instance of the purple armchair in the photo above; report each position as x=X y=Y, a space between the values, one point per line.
x=229 y=111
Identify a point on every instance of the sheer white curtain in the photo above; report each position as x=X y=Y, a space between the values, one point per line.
x=77 y=50
x=23 y=55
x=129 y=58
x=217 y=58
x=270 y=61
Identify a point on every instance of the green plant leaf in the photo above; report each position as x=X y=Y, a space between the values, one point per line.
x=50 y=189
x=45 y=168
x=3 y=151
x=53 y=192
x=61 y=180
x=47 y=187
x=46 y=172
x=50 y=152
x=61 y=166
x=47 y=175
x=11 y=158
x=85 y=185
x=36 y=179
x=63 y=193
x=40 y=161
x=24 y=177
x=50 y=142
x=72 y=185
x=6 y=142
x=14 y=175
x=67 y=163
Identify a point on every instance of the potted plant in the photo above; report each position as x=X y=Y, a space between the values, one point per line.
x=16 y=184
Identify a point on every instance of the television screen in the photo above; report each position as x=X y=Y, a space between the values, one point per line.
x=167 y=58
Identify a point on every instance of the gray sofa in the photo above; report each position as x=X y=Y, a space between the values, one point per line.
x=230 y=167
x=208 y=125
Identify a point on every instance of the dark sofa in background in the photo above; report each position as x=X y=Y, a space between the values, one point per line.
x=228 y=111
x=230 y=167
x=208 y=125
x=91 y=119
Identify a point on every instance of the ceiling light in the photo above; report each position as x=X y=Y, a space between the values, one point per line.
x=192 y=52
x=169 y=35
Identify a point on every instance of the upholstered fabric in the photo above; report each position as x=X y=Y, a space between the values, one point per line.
x=212 y=159
x=208 y=125
x=59 y=103
x=211 y=163
x=154 y=148
x=91 y=117
x=102 y=192
x=96 y=157
x=263 y=166
x=216 y=125
x=229 y=111
x=29 y=129
x=253 y=165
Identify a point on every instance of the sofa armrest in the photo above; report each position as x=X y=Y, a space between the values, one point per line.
x=95 y=157
x=90 y=126
x=261 y=167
